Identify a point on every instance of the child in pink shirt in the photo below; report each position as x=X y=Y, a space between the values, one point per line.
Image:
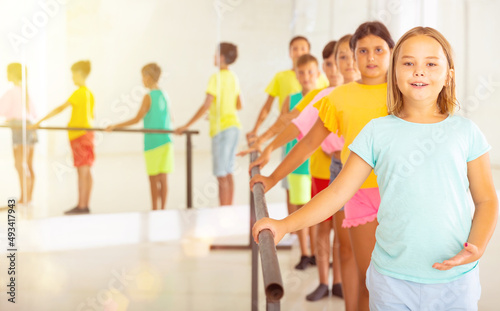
x=20 y=116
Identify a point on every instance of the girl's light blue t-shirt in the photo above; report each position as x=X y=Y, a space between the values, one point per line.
x=425 y=213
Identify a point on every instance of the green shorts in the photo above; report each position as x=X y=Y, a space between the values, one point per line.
x=299 y=188
x=160 y=160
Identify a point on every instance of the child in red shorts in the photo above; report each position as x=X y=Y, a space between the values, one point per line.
x=82 y=142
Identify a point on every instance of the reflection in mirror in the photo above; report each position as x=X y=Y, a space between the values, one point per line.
x=120 y=122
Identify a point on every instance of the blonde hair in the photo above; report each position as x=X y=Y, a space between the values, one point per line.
x=306 y=59
x=83 y=66
x=344 y=39
x=15 y=74
x=447 y=100
x=152 y=70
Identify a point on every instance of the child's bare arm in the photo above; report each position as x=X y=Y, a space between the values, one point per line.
x=290 y=132
x=262 y=116
x=201 y=111
x=324 y=204
x=239 y=105
x=143 y=110
x=485 y=216
x=285 y=118
x=299 y=153
x=53 y=113
x=485 y=199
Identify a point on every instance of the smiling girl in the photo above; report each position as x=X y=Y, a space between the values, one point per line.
x=427 y=161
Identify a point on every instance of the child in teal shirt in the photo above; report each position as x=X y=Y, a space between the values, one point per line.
x=158 y=148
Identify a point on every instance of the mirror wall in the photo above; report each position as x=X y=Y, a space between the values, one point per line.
x=119 y=37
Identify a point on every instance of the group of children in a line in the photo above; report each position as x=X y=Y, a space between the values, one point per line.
x=409 y=239
x=372 y=150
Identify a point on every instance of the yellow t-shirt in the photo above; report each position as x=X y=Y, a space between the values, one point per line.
x=225 y=88
x=285 y=83
x=319 y=164
x=82 y=114
x=348 y=108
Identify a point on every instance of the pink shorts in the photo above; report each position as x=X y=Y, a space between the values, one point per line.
x=362 y=208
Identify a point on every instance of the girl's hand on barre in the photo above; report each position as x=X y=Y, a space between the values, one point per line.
x=251 y=137
x=110 y=128
x=262 y=160
x=267 y=182
x=247 y=151
x=180 y=130
x=277 y=228
x=468 y=254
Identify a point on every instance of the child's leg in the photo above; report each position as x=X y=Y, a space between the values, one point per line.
x=219 y=159
x=31 y=171
x=232 y=146
x=303 y=234
x=224 y=147
x=323 y=251
x=226 y=189
x=290 y=207
x=285 y=185
x=83 y=159
x=337 y=277
x=305 y=258
x=153 y=183
x=361 y=218
x=300 y=194
x=20 y=168
x=313 y=238
x=223 y=190
x=363 y=242
x=348 y=267
x=322 y=260
x=84 y=185
x=230 y=192
x=322 y=246
x=162 y=180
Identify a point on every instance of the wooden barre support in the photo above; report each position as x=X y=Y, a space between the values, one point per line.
x=96 y=129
